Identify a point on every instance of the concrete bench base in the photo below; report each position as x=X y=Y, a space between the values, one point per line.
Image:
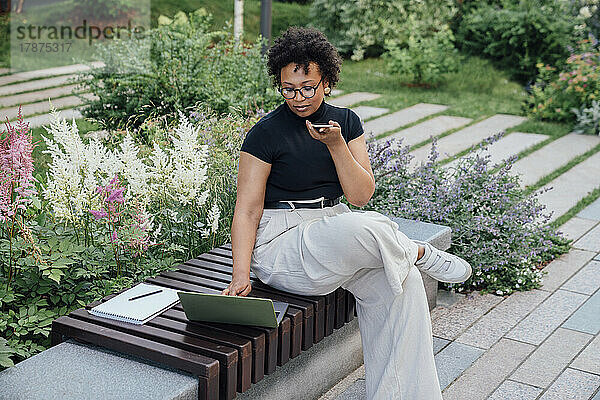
x=73 y=371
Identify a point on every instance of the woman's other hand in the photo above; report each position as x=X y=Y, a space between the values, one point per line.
x=329 y=136
x=238 y=287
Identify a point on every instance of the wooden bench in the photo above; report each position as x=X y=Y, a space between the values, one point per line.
x=231 y=359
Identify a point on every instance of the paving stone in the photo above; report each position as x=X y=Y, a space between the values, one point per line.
x=467 y=137
x=590 y=241
x=44 y=106
x=452 y=321
x=40 y=73
x=36 y=96
x=489 y=371
x=38 y=84
x=353 y=98
x=423 y=131
x=576 y=227
x=564 y=267
x=552 y=156
x=502 y=318
x=591 y=212
x=44 y=119
x=393 y=121
x=572 y=385
x=336 y=92
x=587 y=318
x=366 y=112
x=439 y=344
x=453 y=360
x=589 y=359
x=551 y=358
x=511 y=390
x=586 y=281
x=4 y=71
x=578 y=182
x=357 y=391
x=506 y=147
x=548 y=316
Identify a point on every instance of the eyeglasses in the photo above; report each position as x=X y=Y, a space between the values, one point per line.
x=306 y=91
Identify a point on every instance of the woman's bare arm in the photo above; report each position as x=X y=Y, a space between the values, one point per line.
x=251 y=184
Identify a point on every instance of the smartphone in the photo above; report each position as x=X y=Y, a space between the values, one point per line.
x=318 y=126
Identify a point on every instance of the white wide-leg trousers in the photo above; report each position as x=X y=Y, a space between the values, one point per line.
x=315 y=251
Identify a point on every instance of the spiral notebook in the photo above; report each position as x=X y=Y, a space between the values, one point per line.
x=137 y=305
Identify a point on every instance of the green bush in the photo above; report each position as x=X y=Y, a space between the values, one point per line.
x=425 y=58
x=361 y=27
x=575 y=85
x=519 y=36
x=175 y=66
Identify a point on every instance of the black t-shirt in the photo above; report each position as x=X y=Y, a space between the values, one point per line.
x=301 y=167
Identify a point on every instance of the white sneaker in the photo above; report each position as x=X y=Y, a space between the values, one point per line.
x=442 y=266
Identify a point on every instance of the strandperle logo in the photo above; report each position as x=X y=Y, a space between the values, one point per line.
x=83 y=31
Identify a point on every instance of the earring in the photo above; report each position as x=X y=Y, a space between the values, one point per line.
x=327 y=90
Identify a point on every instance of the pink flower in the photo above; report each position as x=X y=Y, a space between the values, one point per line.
x=99 y=214
x=16 y=168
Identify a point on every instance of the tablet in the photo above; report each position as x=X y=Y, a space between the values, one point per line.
x=240 y=310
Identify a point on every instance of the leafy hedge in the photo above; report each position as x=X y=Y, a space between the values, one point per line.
x=518 y=36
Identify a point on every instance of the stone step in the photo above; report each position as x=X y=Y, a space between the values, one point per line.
x=398 y=119
x=591 y=212
x=336 y=92
x=366 y=112
x=504 y=148
x=424 y=130
x=353 y=98
x=44 y=119
x=37 y=84
x=43 y=106
x=467 y=137
x=23 y=98
x=41 y=73
x=4 y=71
x=571 y=187
x=552 y=156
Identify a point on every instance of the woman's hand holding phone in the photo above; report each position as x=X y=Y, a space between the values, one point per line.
x=329 y=133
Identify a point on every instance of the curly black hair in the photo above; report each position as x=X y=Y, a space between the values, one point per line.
x=301 y=46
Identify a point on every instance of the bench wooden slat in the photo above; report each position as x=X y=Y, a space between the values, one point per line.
x=226 y=356
x=255 y=336
x=350 y=306
x=205 y=368
x=271 y=339
x=242 y=345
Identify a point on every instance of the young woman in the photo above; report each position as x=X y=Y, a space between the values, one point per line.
x=290 y=228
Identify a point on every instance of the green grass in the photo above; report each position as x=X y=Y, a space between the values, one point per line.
x=477 y=89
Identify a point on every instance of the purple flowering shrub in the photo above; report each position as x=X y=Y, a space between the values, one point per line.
x=499 y=229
